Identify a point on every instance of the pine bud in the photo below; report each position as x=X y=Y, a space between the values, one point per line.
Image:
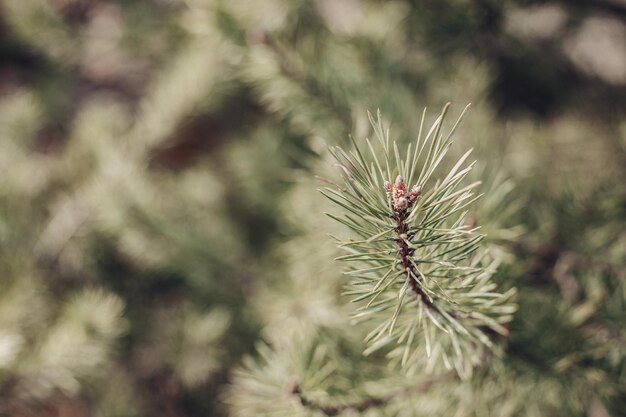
x=398 y=196
x=416 y=191
x=401 y=203
x=399 y=189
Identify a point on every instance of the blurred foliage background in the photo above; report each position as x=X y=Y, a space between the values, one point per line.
x=158 y=206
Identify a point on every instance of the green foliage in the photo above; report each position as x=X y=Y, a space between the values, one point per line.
x=163 y=249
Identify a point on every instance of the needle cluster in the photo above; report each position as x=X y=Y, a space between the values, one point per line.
x=416 y=270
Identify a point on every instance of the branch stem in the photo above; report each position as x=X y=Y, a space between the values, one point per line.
x=402 y=228
x=366 y=403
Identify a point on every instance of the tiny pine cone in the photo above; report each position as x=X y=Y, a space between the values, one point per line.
x=401 y=203
x=416 y=191
x=399 y=188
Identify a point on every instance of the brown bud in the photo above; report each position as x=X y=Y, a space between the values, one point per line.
x=399 y=188
x=416 y=191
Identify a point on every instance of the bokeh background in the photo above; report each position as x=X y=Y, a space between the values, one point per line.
x=158 y=206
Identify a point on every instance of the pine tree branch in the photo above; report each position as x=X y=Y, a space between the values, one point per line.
x=414 y=243
x=333 y=410
x=309 y=84
x=366 y=403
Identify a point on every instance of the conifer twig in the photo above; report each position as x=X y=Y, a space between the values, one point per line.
x=365 y=403
x=400 y=216
x=417 y=241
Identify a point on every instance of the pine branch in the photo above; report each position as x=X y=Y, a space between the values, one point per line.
x=417 y=241
x=333 y=410
x=365 y=403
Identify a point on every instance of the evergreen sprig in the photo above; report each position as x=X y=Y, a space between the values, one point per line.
x=416 y=268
